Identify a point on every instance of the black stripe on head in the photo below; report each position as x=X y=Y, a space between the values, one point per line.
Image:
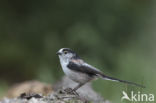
x=68 y=50
x=75 y=56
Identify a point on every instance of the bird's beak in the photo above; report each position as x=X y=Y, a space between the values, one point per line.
x=58 y=53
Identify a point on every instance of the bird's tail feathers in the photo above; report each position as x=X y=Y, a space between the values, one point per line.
x=118 y=80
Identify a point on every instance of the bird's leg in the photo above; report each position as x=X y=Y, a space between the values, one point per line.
x=78 y=86
x=73 y=91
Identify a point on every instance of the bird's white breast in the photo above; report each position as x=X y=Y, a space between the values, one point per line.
x=65 y=68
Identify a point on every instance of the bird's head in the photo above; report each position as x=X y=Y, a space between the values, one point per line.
x=67 y=54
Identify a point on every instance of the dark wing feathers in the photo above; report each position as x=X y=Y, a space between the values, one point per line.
x=83 y=69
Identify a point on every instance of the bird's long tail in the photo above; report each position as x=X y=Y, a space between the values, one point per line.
x=118 y=80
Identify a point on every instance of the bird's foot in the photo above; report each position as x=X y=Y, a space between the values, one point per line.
x=71 y=91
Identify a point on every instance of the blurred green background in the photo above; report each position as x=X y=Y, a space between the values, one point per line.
x=117 y=36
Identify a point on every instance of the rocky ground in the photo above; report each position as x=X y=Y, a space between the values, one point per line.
x=59 y=93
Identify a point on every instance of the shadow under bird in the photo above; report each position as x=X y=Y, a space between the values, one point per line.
x=81 y=72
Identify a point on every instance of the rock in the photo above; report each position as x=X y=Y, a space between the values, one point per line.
x=55 y=97
x=33 y=92
x=29 y=87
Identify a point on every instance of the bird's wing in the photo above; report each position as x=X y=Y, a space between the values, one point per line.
x=83 y=68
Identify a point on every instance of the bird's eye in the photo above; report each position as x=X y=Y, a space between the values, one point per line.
x=65 y=52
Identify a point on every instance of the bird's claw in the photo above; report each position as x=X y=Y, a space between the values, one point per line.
x=71 y=91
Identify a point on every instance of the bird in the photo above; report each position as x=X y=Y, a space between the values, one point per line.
x=81 y=72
